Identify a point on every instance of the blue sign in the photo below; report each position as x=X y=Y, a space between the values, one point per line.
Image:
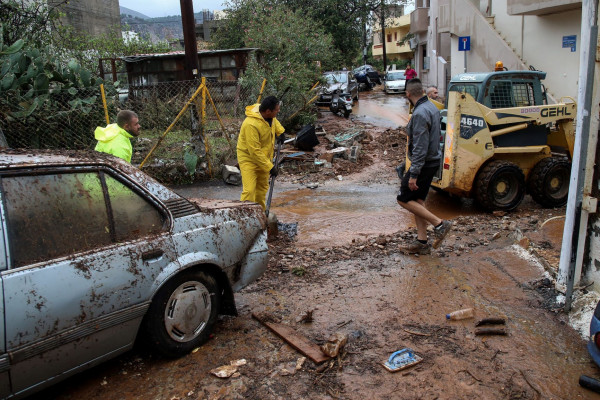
x=569 y=41
x=464 y=43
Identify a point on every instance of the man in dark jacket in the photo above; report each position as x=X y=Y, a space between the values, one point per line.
x=424 y=154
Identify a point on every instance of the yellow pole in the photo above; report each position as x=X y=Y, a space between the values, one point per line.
x=203 y=130
x=203 y=115
x=314 y=86
x=262 y=88
x=104 y=102
x=183 y=110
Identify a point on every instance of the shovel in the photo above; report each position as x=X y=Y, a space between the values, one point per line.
x=272 y=180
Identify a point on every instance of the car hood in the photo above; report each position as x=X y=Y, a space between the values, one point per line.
x=393 y=84
x=335 y=87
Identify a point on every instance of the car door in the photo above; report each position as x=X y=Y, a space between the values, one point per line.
x=4 y=364
x=84 y=248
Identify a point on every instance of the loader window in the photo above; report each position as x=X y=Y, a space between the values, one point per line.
x=523 y=94
x=473 y=90
x=501 y=95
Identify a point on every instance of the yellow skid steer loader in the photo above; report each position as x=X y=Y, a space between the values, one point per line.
x=502 y=140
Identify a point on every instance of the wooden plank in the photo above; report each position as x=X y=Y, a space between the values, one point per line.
x=294 y=339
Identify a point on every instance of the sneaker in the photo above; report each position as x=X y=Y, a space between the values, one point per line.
x=441 y=232
x=416 y=247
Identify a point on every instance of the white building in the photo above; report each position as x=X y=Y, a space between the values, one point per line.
x=542 y=34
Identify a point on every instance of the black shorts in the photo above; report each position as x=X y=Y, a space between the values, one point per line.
x=423 y=182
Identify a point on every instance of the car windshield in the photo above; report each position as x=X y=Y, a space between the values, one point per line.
x=396 y=76
x=336 y=77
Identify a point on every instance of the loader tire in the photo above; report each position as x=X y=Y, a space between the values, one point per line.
x=548 y=182
x=500 y=185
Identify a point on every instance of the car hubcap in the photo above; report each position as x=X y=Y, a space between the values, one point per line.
x=188 y=311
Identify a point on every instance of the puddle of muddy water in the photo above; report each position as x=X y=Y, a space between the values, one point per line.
x=337 y=214
x=387 y=111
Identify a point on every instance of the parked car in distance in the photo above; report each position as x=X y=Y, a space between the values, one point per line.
x=395 y=82
x=367 y=75
x=340 y=82
x=96 y=253
x=593 y=345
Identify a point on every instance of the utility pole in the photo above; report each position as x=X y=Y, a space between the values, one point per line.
x=189 y=39
x=191 y=71
x=383 y=36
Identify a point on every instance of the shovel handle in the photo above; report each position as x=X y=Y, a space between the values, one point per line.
x=272 y=182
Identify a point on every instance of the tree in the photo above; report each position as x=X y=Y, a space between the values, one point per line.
x=292 y=48
x=29 y=20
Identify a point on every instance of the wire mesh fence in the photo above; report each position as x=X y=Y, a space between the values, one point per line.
x=66 y=119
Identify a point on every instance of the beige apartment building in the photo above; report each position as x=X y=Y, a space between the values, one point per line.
x=396 y=29
x=523 y=34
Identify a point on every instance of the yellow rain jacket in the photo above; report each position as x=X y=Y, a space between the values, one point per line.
x=114 y=140
x=255 y=154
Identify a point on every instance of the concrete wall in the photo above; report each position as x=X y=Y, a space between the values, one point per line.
x=538 y=41
x=92 y=16
x=517 y=41
x=541 y=7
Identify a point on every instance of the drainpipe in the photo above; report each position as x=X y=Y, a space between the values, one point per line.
x=383 y=35
x=579 y=205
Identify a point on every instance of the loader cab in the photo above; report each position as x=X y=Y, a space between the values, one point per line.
x=501 y=89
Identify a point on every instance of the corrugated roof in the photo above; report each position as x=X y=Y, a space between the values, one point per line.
x=142 y=57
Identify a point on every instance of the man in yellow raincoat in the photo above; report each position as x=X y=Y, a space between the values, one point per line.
x=255 y=148
x=115 y=138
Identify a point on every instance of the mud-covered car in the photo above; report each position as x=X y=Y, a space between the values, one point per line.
x=367 y=75
x=95 y=253
x=340 y=82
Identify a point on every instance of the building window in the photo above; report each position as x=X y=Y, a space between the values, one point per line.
x=389 y=37
x=395 y=36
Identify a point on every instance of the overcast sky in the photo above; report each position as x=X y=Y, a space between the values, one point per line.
x=161 y=8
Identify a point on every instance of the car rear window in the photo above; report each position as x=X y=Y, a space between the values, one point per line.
x=134 y=216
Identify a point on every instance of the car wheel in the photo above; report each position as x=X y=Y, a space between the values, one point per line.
x=183 y=313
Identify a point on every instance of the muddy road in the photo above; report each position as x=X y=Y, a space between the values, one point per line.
x=345 y=267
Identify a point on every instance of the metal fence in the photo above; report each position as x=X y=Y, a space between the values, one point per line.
x=66 y=119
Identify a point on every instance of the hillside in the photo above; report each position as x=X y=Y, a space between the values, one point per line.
x=155 y=29
x=129 y=11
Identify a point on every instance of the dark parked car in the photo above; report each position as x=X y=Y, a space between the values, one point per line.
x=340 y=82
x=95 y=253
x=594 y=341
x=367 y=75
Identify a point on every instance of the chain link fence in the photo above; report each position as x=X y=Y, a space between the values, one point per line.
x=203 y=136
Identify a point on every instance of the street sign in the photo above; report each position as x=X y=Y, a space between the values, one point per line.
x=569 y=41
x=464 y=43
